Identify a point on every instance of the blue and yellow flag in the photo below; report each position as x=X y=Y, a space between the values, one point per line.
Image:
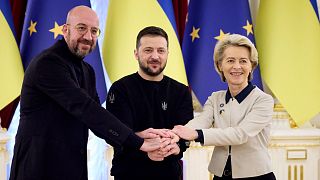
x=11 y=71
x=288 y=40
x=43 y=26
x=208 y=21
x=125 y=19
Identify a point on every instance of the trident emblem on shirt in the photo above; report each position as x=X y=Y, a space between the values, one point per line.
x=111 y=98
x=164 y=106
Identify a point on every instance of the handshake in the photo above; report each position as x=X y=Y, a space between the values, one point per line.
x=161 y=143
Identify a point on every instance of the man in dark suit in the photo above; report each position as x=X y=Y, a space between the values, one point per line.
x=59 y=102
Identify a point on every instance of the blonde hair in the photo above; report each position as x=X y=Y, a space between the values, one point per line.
x=234 y=40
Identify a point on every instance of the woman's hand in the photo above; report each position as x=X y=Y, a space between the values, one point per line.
x=185 y=132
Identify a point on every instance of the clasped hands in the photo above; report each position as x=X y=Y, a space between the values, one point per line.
x=165 y=138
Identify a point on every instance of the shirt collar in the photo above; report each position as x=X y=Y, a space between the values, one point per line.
x=242 y=95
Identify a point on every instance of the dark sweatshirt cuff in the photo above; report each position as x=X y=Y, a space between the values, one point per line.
x=200 y=136
x=133 y=141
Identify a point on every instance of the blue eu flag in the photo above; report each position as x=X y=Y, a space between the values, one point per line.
x=43 y=26
x=208 y=21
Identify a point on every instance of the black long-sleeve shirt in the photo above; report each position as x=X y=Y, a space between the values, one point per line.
x=142 y=104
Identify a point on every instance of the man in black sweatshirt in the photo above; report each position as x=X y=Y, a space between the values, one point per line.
x=149 y=99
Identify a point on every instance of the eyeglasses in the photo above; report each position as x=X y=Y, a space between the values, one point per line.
x=83 y=29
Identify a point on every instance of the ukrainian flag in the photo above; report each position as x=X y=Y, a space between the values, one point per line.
x=11 y=71
x=288 y=41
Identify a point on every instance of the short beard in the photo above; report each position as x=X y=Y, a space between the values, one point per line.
x=75 y=49
x=80 y=53
x=148 y=71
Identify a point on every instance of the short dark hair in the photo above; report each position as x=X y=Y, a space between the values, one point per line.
x=151 y=31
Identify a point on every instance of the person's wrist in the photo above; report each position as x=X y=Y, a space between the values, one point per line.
x=199 y=136
x=133 y=141
x=196 y=134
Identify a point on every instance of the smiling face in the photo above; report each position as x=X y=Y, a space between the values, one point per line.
x=236 y=66
x=78 y=30
x=152 y=55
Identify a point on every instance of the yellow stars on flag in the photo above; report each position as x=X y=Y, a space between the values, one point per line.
x=195 y=33
x=32 y=27
x=56 y=30
x=221 y=36
x=248 y=27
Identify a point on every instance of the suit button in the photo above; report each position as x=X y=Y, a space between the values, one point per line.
x=113 y=132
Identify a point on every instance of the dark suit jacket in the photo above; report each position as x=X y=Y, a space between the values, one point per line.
x=59 y=103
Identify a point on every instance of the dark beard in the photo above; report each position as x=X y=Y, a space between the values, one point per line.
x=149 y=72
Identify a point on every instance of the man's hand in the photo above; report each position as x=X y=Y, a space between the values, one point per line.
x=159 y=143
x=151 y=144
x=185 y=132
x=156 y=155
x=174 y=138
x=171 y=149
x=167 y=148
x=153 y=133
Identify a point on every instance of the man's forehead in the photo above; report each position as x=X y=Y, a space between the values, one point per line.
x=84 y=21
x=83 y=15
x=152 y=40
